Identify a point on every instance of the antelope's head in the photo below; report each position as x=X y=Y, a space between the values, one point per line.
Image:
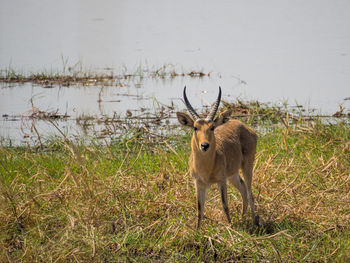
x=203 y=129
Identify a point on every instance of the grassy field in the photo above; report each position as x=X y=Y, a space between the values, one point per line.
x=132 y=200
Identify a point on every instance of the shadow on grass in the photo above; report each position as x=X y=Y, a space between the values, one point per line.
x=270 y=225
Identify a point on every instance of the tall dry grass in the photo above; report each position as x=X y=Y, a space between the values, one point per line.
x=132 y=200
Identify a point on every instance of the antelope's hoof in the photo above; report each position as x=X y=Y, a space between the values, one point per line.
x=256 y=220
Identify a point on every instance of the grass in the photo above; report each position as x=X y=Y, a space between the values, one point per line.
x=132 y=199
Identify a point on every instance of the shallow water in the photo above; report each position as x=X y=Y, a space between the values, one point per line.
x=76 y=104
x=297 y=51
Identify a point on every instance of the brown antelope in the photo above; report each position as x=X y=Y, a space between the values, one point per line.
x=220 y=147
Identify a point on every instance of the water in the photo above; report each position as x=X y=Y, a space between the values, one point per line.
x=297 y=51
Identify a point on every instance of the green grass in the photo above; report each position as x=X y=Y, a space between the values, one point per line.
x=133 y=200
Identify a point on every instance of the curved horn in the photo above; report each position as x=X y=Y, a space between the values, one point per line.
x=193 y=113
x=215 y=107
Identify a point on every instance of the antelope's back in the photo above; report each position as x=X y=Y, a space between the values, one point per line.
x=235 y=138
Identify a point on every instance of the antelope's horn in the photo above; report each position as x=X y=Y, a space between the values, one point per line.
x=215 y=107
x=193 y=113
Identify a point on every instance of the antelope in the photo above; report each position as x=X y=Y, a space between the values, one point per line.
x=220 y=147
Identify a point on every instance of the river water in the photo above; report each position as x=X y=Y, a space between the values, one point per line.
x=277 y=51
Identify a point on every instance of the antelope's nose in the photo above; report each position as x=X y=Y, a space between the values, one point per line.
x=204 y=146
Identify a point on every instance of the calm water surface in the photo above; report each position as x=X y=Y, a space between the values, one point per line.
x=277 y=50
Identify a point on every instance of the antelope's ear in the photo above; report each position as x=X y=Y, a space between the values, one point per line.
x=223 y=117
x=184 y=119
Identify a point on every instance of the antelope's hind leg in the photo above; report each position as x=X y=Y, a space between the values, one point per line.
x=237 y=181
x=247 y=168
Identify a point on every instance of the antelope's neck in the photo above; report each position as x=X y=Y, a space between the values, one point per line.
x=203 y=162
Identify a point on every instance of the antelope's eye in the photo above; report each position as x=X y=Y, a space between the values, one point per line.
x=195 y=128
x=212 y=128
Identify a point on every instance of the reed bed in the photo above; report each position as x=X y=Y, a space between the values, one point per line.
x=77 y=75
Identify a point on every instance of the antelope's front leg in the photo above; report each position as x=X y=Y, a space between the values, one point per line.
x=223 y=193
x=201 y=194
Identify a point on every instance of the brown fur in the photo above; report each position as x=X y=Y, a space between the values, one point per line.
x=232 y=145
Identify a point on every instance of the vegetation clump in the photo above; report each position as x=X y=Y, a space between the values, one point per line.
x=76 y=75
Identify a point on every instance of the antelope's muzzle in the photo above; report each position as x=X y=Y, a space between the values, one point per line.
x=204 y=146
